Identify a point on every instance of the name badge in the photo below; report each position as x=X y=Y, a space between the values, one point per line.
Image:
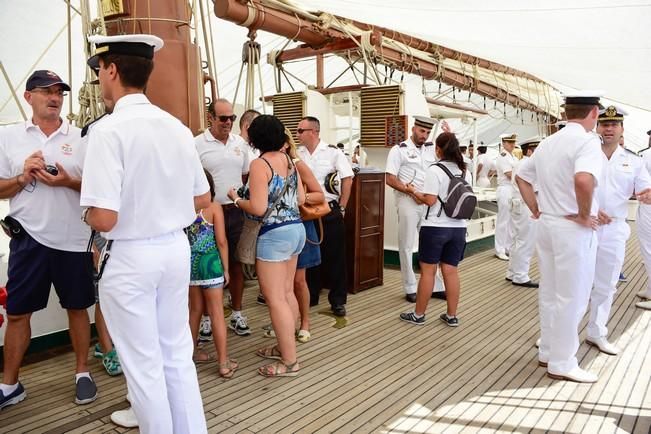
x=625 y=168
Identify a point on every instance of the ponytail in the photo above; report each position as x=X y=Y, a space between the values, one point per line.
x=449 y=146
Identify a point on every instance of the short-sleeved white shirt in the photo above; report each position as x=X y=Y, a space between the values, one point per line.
x=409 y=162
x=552 y=167
x=505 y=163
x=141 y=162
x=226 y=162
x=486 y=165
x=326 y=159
x=624 y=174
x=51 y=215
x=437 y=183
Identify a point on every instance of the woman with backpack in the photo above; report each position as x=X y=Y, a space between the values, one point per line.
x=442 y=238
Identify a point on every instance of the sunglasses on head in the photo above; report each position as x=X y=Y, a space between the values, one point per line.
x=224 y=118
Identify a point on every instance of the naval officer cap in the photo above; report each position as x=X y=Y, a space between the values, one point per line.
x=424 y=122
x=612 y=113
x=531 y=142
x=511 y=137
x=584 y=97
x=130 y=45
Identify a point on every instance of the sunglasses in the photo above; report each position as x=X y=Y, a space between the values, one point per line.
x=302 y=130
x=224 y=118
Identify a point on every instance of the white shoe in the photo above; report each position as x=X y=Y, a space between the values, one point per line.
x=537 y=344
x=502 y=256
x=603 y=345
x=125 y=418
x=577 y=375
x=644 y=304
x=644 y=295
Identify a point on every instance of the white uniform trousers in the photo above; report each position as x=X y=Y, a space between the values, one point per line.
x=483 y=182
x=409 y=215
x=611 y=249
x=643 y=225
x=566 y=258
x=523 y=243
x=144 y=298
x=503 y=225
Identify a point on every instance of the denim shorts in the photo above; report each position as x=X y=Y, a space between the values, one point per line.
x=281 y=243
x=311 y=254
x=439 y=244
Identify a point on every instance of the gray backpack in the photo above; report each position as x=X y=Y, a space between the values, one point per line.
x=461 y=200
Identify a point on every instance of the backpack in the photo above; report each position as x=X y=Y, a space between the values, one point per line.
x=461 y=200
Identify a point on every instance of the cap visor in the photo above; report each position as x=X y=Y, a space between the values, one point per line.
x=93 y=62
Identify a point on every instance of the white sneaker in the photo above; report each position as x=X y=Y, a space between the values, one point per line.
x=603 y=345
x=537 y=344
x=644 y=304
x=125 y=418
x=577 y=375
x=205 y=329
x=644 y=295
x=502 y=256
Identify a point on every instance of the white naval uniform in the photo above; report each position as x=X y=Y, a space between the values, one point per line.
x=566 y=251
x=643 y=226
x=503 y=225
x=523 y=243
x=482 y=176
x=409 y=163
x=624 y=174
x=324 y=160
x=141 y=163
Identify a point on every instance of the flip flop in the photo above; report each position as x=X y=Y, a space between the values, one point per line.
x=209 y=358
x=269 y=353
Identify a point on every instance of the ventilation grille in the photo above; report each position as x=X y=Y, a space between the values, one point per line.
x=377 y=103
x=289 y=108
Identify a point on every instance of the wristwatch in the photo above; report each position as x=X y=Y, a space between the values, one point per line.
x=84 y=215
x=342 y=209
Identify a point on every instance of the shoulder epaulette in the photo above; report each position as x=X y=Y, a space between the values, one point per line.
x=631 y=152
x=403 y=145
x=429 y=144
x=86 y=127
x=332 y=146
x=503 y=154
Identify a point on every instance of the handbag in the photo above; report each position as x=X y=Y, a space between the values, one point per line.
x=314 y=211
x=246 y=249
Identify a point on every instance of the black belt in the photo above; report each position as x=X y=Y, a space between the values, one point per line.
x=229 y=206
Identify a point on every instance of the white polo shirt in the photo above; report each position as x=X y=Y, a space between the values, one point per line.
x=624 y=174
x=437 y=183
x=505 y=163
x=226 y=162
x=51 y=215
x=326 y=159
x=409 y=162
x=552 y=167
x=141 y=162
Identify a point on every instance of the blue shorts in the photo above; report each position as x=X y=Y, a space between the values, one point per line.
x=311 y=254
x=281 y=243
x=438 y=244
x=34 y=268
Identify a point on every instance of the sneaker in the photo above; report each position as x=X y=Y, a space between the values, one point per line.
x=411 y=318
x=86 y=391
x=205 y=329
x=260 y=299
x=13 y=398
x=111 y=363
x=622 y=278
x=97 y=352
x=239 y=326
x=451 y=321
x=125 y=418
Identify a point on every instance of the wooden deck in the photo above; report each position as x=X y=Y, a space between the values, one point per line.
x=378 y=374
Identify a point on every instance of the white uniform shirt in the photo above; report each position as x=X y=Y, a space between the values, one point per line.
x=141 y=163
x=487 y=165
x=624 y=174
x=505 y=163
x=51 y=215
x=409 y=162
x=516 y=171
x=326 y=159
x=225 y=162
x=557 y=159
x=437 y=183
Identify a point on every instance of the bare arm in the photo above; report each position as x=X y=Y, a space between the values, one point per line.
x=408 y=189
x=313 y=193
x=11 y=186
x=258 y=189
x=427 y=199
x=220 y=237
x=101 y=219
x=508 y=175
x=202 y=201
x=62 y=179
x=346 y=187
x=528 y=195
x=479 y=167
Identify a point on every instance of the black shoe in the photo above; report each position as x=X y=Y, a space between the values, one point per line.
x=508 y=279
x=339 y=310
x=411 y=298
x=86 y=391
x=439 y=295
x=411 y=318
x=452 y=321
x=261 y=300
x=527 y=284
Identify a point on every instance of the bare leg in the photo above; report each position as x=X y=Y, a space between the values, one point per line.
x=196 y=310
x=17 y=338
x=214 y=299
x=103 y=335
x=302 y=293
x=452 y=287
x=425 y=285
x=236 y=284
x=79 y=324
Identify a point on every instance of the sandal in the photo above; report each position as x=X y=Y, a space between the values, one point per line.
x=201 y=356
x=303 y=336
x=230 y=366
x=279 y=369
x=269 y=333
x=269 y=353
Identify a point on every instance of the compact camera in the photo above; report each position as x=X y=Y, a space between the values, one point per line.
x=52 y=170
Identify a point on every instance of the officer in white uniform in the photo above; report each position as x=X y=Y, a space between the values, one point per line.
x=484 y=168
x=325 y=160
x=405 y=168
x=141 y=185
x=566 y=238
x=624 y=174
x=505 y=163
x=524 y=228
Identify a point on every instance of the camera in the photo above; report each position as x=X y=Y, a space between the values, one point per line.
x=52 y=170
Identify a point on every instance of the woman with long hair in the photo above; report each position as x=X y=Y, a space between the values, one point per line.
x=442 y=239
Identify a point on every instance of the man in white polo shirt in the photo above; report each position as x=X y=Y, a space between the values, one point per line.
x=226 y=156
x=40 y=172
